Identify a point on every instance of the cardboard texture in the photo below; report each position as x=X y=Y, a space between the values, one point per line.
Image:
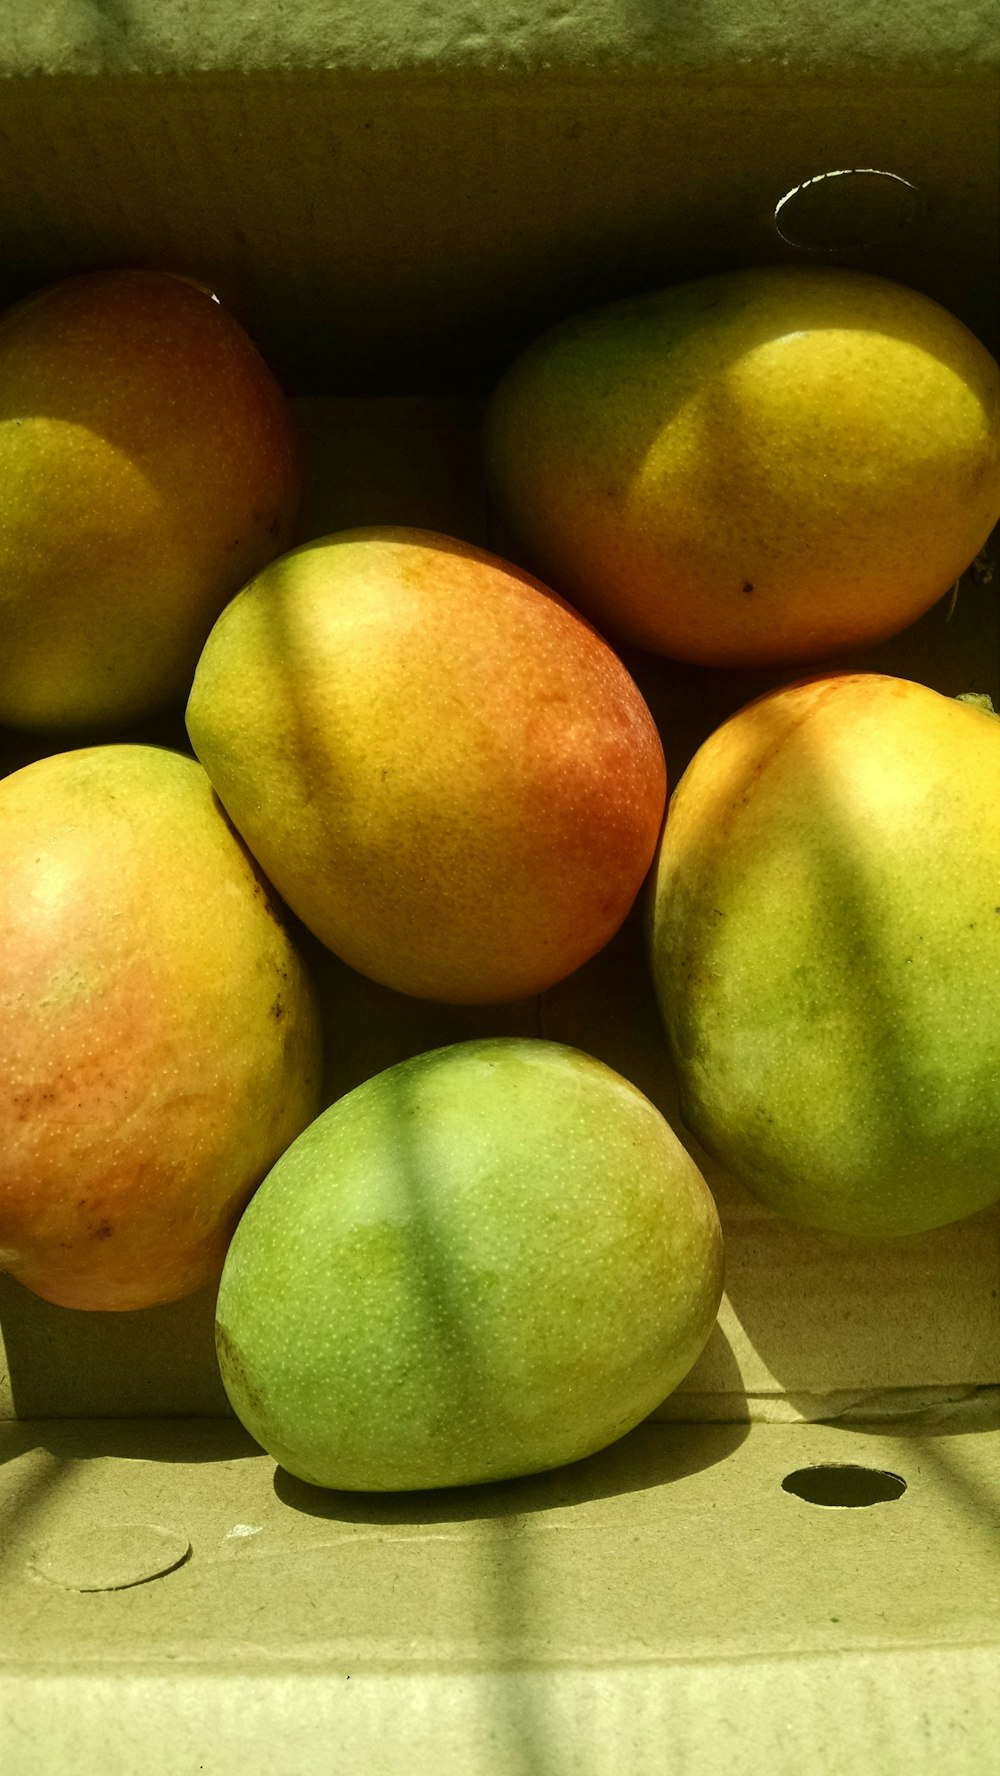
x=862 y=39
x=392 y=204
x=666 y=1605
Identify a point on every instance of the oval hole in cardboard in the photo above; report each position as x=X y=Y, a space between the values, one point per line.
x=844 y=1484
x=845 y=210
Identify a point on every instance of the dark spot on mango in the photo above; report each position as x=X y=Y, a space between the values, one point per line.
x=277 y=1009
x=260 y=893
x=234 y=1370
x=748 y=585
x=102 y=1231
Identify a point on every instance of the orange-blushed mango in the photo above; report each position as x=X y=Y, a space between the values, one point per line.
x=445 y=771
x=767 y=465
x=159 y=1035
x=149 y=464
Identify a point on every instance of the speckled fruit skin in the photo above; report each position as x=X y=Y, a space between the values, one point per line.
x=159 y=1037
x=486 y=1261
x=149 y=464
x=825 y=945
x=764 y=466
x=444 y=770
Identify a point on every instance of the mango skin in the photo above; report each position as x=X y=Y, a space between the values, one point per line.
x=825 y=946
x=764 y=466
x=444 y=770
x=486 y=1261
x=149 y=464
x=159 y=1034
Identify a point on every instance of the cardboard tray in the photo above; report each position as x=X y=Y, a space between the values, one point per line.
x=392 y=205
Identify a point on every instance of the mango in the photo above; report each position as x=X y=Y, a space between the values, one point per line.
x=149 y=464
x=159 y=1033
x=769 y=465
x=485 y=1261
x=447 y=774
x=824 y=932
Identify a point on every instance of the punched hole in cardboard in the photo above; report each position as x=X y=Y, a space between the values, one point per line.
x=846 y=210
x=846 y=1485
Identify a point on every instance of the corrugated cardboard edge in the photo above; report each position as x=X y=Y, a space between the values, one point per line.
x=861 y=40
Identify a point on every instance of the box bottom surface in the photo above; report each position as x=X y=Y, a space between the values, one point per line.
x=171 y=1599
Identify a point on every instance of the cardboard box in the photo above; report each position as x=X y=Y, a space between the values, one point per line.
x=393 y=199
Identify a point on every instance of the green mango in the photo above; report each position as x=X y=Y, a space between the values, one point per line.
x=486 y=1261
x=824 y=937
